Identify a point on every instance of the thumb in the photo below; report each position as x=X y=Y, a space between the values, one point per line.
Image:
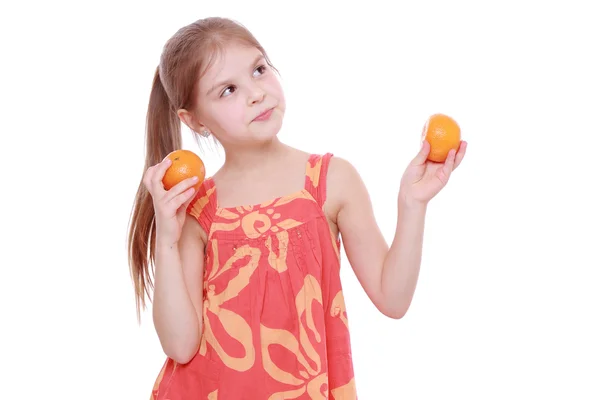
x=421 y=157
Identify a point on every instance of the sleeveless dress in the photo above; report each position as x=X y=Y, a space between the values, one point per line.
x=274 y=318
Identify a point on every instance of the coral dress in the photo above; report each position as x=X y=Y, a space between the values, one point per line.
x=274 y=319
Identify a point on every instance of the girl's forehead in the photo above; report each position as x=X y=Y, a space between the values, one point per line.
x=228 y=62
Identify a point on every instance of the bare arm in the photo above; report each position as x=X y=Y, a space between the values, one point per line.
x=177 y=303
x=387 y=274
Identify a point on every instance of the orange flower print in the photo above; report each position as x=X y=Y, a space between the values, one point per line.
x=308 y=380
x=277 y=260
x=234 y=324
x=338 y=308
x=256 y=220
x=274 y=318
x=346 y=392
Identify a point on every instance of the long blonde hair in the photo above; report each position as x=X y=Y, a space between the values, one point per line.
x=185 y=58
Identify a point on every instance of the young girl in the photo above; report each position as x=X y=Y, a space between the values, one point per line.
x=247 y=301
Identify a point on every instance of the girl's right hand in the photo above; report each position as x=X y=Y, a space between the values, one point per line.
x=169 y=205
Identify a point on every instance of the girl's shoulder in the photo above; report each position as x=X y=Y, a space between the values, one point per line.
x=203 y=205
x=343 y=179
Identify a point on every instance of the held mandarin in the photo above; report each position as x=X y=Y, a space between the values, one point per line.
x=184 y=164
x=443 y=134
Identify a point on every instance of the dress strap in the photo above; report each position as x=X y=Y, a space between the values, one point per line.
x=204 y=205
x=316 y=176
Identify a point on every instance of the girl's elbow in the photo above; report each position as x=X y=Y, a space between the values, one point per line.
x=182 y=351
x=397 y=312
x=181 y=354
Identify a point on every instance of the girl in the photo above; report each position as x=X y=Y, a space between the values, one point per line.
x=247 y=301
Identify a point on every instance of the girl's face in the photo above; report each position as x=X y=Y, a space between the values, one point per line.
x=240 y=99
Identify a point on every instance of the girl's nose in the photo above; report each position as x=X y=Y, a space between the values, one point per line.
x=257 y=95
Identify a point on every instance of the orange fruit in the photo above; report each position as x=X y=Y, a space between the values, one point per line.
x=443 y=134
x=184 y=164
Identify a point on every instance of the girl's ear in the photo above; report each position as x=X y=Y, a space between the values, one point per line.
x=188 y=118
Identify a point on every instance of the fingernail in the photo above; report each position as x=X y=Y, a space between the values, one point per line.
x=194 y=178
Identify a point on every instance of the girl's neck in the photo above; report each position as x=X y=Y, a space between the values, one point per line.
x=254 y=158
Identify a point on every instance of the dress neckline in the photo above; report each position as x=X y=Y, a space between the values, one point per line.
x=267 y=202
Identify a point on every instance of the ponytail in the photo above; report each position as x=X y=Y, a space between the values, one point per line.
x=163 y=135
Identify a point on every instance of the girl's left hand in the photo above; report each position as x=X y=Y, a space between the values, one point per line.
x=423 y=179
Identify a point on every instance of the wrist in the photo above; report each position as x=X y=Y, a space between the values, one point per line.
x=408 y=203
x=165 y=246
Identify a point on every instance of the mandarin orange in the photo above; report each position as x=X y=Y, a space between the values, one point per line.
x=443 y=134
x=184 y=164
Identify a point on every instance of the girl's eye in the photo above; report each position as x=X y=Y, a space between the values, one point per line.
x=228 y=90
x=260 y=70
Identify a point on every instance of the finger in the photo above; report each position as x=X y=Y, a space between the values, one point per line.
x=449 y=164
x=158 y=175
x=183 y=199
x=189 y=200
x=421 y=157
x=148 y=178
x=180 y=188
x=461 y=154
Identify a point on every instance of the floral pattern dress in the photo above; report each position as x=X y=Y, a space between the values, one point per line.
x=274 y=318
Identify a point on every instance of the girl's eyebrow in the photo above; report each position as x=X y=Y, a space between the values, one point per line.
x=224 y=82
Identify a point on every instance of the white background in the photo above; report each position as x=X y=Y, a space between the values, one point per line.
x=507 y=305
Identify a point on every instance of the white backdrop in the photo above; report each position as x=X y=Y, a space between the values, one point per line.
x=507 y=305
